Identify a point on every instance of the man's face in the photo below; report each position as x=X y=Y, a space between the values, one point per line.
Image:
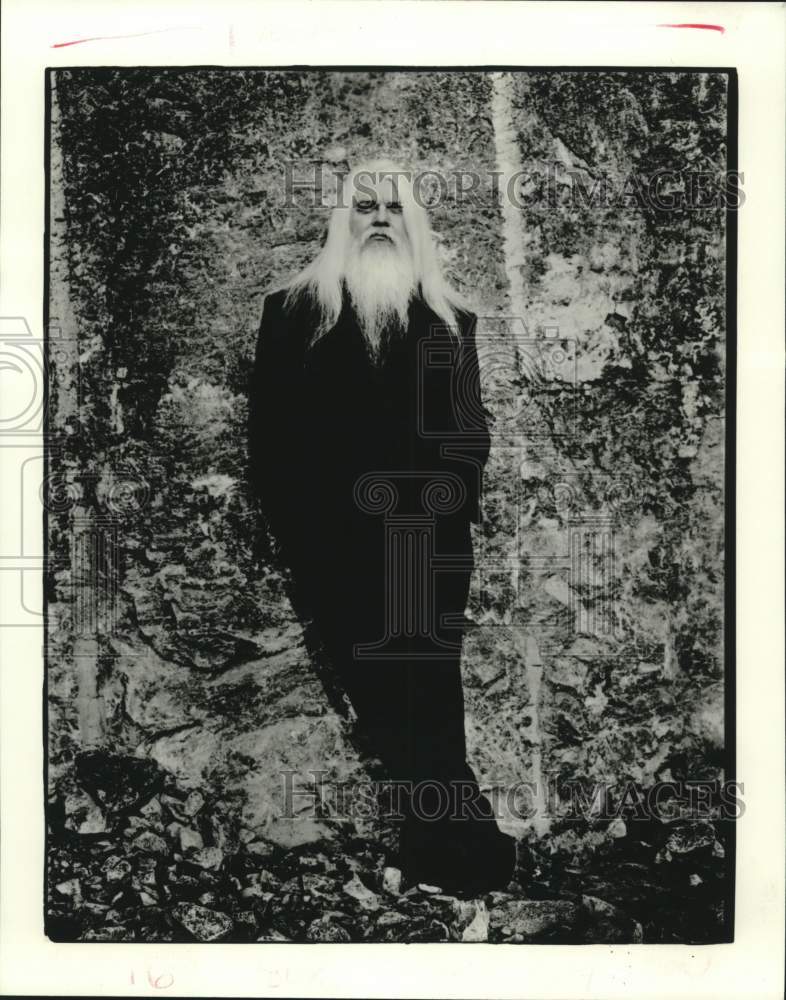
x=379 y=271
x=376 y=219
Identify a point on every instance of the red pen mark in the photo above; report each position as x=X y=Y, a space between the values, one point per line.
x=102 y=38
x=701 y=27
x=160 y=982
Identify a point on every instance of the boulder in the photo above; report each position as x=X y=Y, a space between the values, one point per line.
x=529 y=918
x=362 y=895
x=327 y=930
x=202 y=923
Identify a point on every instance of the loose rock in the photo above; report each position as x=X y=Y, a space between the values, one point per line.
x=152 y=810
x=83 y=815
x=326 y=930
x=107 y=934
x=367 y=899
x=478 y=929
x=529 y=917
x=210 y=858
x=610 y=924
x=70 y=888
x=190 y=840
x=193 y=803
x=151 y=843
x=273 y=936
x=117 y=869
x=391 y=881
x=202 y=923
x=690 y=837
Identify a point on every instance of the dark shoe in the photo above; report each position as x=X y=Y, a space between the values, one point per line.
x=471 y=856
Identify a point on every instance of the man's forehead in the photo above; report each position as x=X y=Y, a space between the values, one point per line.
x=382 y=185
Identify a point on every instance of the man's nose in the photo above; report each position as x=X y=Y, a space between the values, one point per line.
x=381 y=215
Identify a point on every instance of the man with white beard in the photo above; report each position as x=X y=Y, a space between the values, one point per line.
x=367 y=441
x=379 y=273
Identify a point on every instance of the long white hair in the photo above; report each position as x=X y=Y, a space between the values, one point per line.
x=322 y=279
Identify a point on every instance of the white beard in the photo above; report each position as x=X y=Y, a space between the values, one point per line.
x=381 y=281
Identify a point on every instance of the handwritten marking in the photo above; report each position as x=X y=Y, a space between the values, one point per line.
x=102 y=38
x=701 y=27
x=160 y=982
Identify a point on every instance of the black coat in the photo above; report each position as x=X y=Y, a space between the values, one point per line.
x=360 y=471
x=322 y=418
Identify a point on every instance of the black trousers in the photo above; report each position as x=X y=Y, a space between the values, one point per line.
x=388 y=601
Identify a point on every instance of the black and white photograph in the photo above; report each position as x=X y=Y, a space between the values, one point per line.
x=392 y=416
x=389 y=504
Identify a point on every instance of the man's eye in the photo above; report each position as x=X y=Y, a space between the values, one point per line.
x=395 y=207
x=366 y=205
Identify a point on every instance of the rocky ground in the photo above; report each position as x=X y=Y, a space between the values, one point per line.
x=143 y=860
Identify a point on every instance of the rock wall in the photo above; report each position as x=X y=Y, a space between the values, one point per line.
x=597 y=651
